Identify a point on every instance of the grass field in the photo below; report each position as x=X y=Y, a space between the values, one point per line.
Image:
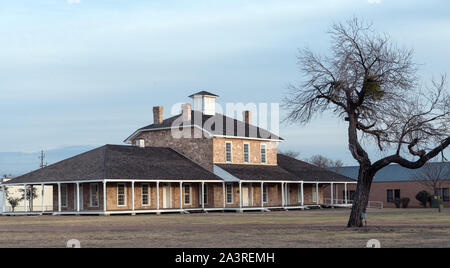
x=315 y=228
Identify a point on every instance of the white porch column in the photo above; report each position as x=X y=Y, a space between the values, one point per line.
x=181 y=195
x=282 y=194
x=317 y=193
x=31 y=199
x=240 y=195
x=157 y=195
x=132 y=196
x=104 y=196
x=223 y=194
x=262 y=194
x=203 y=195
x=337 y=193
x=78 y=196
x=345 y=193
x=42 y=197
x=302 y=196
x=332 y=193
x=4 y=198
x=59 y=197
x=25 y=195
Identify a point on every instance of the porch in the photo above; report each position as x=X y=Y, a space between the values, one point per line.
x=172 y=196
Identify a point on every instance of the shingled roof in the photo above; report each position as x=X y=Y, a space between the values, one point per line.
x=308 y=172
x=199 y=119
x=113 y=162
x=203 y=93
x=258 y=172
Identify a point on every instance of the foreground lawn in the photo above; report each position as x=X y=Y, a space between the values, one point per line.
x=315 y=228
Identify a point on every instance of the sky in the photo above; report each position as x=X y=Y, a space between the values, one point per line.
x=88 y=72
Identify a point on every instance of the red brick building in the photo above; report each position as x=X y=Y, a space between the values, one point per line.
x=395 y=181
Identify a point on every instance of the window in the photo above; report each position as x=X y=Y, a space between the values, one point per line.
x=263 y=154
x=390 y=196
x=228 y=152
x=246 y=153
x=445 y=195
x=140 y=143
x=187 y=194
x=121 y=195
x=94 y=195
x=397 y=194
x=145 y=195
x=229 y=194
x=265 y=194
x=64 y=196
x=205 y=194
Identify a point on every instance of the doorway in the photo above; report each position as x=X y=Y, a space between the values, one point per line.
x=166 y=196
x=247 y=196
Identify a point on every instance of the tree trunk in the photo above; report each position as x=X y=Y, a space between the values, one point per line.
x=361 y=197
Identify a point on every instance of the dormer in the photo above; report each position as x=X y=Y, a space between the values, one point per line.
x=204 y=102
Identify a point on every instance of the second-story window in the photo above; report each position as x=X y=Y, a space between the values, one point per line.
x=246 y=153
x=263 y=153
x=228 y=152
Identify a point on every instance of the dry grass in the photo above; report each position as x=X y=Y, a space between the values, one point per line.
x=316 y=228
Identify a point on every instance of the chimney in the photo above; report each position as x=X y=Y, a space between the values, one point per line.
x=157 y=115
x=186 y=112
x=247 y=115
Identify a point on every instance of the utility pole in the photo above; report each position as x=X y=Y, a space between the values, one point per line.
x=42 y=157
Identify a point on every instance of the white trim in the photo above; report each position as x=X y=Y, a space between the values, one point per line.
x=243 y=153
x=149 y=202
x=190 y=193
x=265 y=153
x=232 y=193
x=246 y=138
x=78 y=197
x=205 y=192
x=132 y=195
x=231 y=151
x=104 y=195
x=52 y=182
x=124 y=195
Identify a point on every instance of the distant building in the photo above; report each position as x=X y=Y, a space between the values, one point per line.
x=395 y=181
x=37 y=205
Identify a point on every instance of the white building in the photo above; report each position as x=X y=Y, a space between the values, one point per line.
x=37 y=204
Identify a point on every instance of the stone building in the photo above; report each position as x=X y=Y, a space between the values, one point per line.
x=198 y=160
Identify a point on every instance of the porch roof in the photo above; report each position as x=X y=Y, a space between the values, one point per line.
x=258 y=172
x=116 y=162
x=310 y=173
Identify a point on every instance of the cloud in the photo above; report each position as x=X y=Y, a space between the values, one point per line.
x=70 y=2
x=374 y=1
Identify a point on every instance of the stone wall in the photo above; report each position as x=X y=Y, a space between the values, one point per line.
x=238 y=151
x=199 y=150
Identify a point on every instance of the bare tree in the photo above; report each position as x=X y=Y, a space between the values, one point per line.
x=324 y=162
x=432 y=176
x=290 y=153
x=371 y=83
